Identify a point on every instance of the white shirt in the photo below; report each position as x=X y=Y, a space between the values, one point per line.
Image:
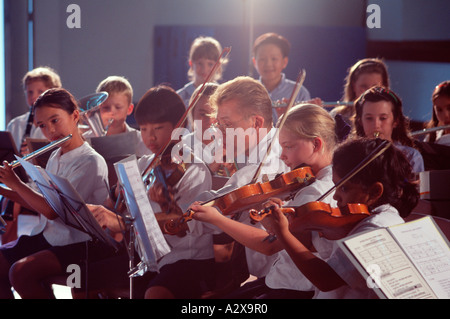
x=198 y=242
x=17 y=128
x=258 y=263
x=186 y=92
x=356 y=288
x=442 y=139
x=86 y=170
x=284 y=274
x=414 y=157
x=284 y=91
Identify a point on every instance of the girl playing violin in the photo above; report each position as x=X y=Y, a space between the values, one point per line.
x=307 y=137
x=384 y=186
x=441 y=114
x=379 y=113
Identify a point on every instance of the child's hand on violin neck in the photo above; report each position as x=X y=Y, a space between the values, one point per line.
x=277 y=221
x=205 y=213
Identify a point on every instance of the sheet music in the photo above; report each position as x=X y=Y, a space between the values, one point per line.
x=153 y=245
x=428 y=250
x=387 y=265
x=66 y=202
x=41 y=178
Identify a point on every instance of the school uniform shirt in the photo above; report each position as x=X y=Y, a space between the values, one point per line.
x=258 y=263
x=414 y=157
x=17 y=127
x=198 y=242
x=186 y=92
x=284 y=91
x=284 y=274
x=356 y=288
x=443 y=140
x=87 y=171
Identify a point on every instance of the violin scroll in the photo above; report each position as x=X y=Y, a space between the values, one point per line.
x=179 y=226
x=257 y=216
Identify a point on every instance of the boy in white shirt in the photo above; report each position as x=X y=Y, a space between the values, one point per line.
x=187 y=269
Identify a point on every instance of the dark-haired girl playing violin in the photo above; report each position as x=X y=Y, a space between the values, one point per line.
x=383 y=186
x=307 y=137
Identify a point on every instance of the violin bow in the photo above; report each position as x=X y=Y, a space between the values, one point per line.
x=369 y=158
x=194 y=101
x=298 y=85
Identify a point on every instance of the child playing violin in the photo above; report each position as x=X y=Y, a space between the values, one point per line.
x=53 y=245
x=441 y=114
x=384 y=186
x=202 y=119
x=185 y=271
x=307 y=137
x=379 y=113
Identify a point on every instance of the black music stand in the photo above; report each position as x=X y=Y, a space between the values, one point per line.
x=70 y=207
x=8 y=151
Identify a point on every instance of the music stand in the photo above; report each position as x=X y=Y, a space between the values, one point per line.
x=114 y=148
x=37 y=143
x=147 y=234
x=69 y=206
x=8 y=152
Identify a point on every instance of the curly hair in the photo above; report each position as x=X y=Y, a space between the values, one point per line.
x=391 y=168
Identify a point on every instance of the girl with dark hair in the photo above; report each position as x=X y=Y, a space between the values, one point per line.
x=363 y=75
x=53 y=245
x=379 y=113
x=384 y=186
x=441 y=114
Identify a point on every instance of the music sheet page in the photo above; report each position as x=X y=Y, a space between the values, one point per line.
x=150 y=236
x=428 y=250
x=388 y=267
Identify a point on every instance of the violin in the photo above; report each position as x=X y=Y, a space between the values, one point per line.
x=284 y=186
x=254 y=193
x=332 y=222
